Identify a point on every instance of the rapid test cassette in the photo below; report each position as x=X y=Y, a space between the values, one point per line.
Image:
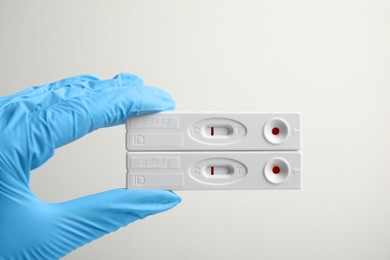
x=191 y=131
x=214 y=170
x=214 y=151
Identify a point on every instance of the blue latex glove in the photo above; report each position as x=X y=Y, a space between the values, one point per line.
x=33 y=123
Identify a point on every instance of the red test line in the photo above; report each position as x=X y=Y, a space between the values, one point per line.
x=212 y=170
x=212 y=131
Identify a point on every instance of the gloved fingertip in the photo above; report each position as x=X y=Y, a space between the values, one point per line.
x=172 y=198
x=163 y=201
x=155 y=100
x=169 y=99
x=152 y=201
x=155 y=196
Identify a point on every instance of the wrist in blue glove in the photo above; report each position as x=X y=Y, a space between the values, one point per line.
x=33 y=123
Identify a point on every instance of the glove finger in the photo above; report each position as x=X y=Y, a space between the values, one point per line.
x=27 y=94
x=69 y=120
x=43 y=96
x=88 y=218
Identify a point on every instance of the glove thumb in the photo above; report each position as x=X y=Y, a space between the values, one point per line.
x=88 y=218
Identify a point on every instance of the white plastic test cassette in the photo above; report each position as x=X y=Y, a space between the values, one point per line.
x=214 y=151
x=216 y=131
x=214 y=170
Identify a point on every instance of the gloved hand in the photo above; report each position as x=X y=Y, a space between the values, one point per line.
x=33 y=123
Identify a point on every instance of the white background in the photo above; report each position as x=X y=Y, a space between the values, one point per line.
x=328 y=59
